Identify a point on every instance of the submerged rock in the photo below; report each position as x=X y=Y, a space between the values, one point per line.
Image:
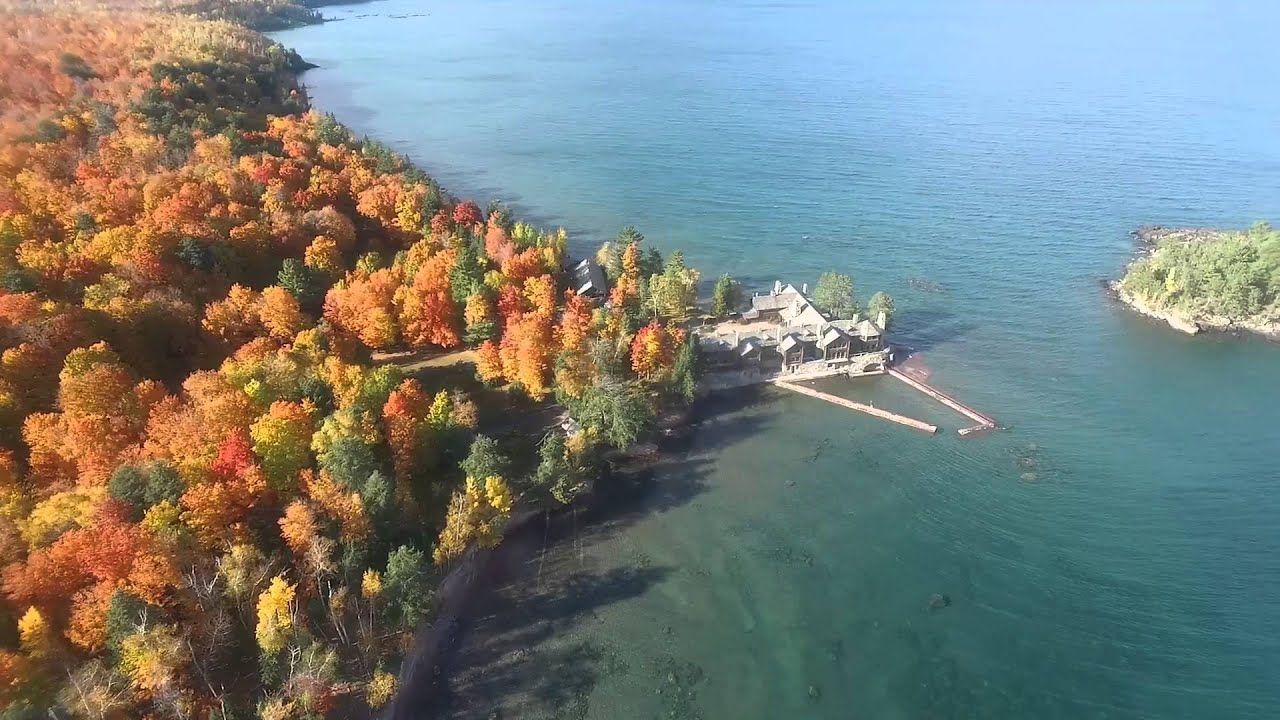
x=937 y=601
x=815 y=692
x=835 y=650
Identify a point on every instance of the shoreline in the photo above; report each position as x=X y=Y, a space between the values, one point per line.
x=427 y=671
x=1149 y=238
x=424 y=675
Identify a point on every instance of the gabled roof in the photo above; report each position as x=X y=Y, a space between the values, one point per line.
x=832 y=334
x=802 y=312
x=774 y=301
x=714 y=343
x=868 y=329
x=748 y=346
x=789 y=341
x=588 y=277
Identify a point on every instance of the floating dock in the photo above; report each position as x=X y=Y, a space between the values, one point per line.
x=984 y=422
x=868 y=409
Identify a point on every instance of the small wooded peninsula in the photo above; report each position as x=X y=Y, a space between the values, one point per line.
x=265 y=385
x=1198 y=279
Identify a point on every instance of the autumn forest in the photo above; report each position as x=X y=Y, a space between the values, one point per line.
x=228 y=486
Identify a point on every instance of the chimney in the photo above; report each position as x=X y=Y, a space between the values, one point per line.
x=777 y=286
x=804 y=289
x=881 y=319
x=737 y=338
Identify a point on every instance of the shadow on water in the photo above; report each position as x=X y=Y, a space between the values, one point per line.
x=541 y=584
x=504 y=662
x=925 y=328
x=476 y=185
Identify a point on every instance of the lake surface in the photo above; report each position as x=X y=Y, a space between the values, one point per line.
x=783 y=565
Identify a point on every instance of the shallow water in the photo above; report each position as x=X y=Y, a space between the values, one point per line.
x=1003 y=151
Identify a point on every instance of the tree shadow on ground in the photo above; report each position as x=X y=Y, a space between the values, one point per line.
x=541 y=584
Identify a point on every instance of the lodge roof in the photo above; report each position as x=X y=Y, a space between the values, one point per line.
x=799 y=322
x=774 y=302
x=831 y=334
x=789 y=341
x=868 y=329
x=588 y=278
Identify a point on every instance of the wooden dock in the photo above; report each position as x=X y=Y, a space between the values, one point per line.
x=984 y=422
x=868 y=409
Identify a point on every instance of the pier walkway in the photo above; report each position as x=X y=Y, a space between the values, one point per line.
x=984 y=422
x=868 y=409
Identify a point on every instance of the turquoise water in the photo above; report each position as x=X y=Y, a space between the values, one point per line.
x=1001 y=150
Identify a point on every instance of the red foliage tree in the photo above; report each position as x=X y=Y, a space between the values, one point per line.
x=467 y=214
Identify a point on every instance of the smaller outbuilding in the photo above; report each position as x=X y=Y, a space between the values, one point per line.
x=589 y=279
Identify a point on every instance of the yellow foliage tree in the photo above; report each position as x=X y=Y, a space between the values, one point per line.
x=59 y=513
x=323 y=255
x=280 y=313
x=476 y=514
x=34 y=633
x=151 y=658
x=371 y=584
x=282 y=438
x=275 y=615
x=441 y=411
x=235 y=319
x=382 y=686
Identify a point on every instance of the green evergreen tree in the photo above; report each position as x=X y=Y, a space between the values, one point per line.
x=552 y=464
x=404 y=584
x=621 y=412
x=726 y=297
x=687 y=370
x=467 y=274
x=350 y=461
x=126 y=615
x=485 y=458
x=302 y=283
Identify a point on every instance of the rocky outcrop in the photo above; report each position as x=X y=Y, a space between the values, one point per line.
x=1194 y=325
x=1151 y=238
x=1154 y=235
x=1142 y=307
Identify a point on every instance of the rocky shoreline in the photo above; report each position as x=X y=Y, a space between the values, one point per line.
x=1140 y=306
x=1151 y=237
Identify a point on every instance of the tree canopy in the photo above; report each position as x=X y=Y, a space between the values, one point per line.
x=834 y=294
x=218 y=500
x=1231 y=275
x=726 y=297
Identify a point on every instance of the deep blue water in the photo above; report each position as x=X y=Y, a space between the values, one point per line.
x=1002 y=150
